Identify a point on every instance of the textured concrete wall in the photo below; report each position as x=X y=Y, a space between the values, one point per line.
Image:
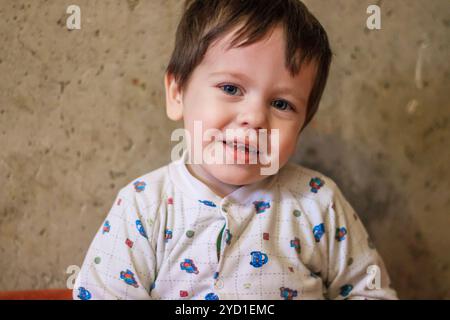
x=82 y=114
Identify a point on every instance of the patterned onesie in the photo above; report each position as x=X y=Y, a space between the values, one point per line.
x=292 y=235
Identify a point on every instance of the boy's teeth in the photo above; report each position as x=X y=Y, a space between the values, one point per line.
x=241 y=147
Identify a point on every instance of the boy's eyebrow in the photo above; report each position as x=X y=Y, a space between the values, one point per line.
x=281 y=90
x=295 y=94
x=230 y=73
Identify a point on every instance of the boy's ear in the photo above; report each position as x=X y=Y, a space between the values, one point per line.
x=174 y=101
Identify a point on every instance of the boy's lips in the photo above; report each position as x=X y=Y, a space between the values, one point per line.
x=236 y=143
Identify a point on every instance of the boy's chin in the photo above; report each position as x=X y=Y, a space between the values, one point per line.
x=236 y=175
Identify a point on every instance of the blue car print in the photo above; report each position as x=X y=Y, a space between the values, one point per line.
x=139 y=186
x=189 y=266
x=258 y=259
x=287 y=294
x=128 y=277
x=84 y=294
x=261 y=206
x=141 y=229
x=346 y=289
x=106 y=227
x=295 y=243
x=318 y=231
x=167 y=235
x=211 y=296
x=208 y=203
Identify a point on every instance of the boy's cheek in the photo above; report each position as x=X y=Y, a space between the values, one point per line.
x=287 y=145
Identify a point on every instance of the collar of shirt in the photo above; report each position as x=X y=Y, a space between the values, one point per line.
x=192 y=187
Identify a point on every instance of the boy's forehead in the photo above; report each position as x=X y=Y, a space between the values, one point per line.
x=264 y=59
x=219 y=53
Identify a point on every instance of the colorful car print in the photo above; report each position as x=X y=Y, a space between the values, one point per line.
x=345 y=290
x=106 y=227
x=139 y=186
x=258 y=259
x=318 y=231
x=340 y=233
x=141 y=229
x=287 y=294
x=84 y=294
x=189 y=266
x=183 y=293
x=315 y=184
x=167 y=235
x=296 y=244
x=129 y=243
x=128 y=277
x=261 y=206
x=211 y=296
x=208 y=203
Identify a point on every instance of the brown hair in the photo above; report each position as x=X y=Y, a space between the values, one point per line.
x=204 y=21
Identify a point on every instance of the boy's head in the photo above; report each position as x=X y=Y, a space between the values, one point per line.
x=250 y=64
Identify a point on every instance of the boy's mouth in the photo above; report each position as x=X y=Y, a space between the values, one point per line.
x=244 y=147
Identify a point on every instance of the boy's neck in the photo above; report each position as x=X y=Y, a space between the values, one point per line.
x=218 y=187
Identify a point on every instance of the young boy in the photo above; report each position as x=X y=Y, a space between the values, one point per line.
x=225 y=231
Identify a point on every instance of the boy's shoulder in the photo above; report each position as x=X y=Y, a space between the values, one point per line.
x=304 y=182
x=147 y=189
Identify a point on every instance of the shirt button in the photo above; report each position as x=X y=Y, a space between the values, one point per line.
x=190 y=233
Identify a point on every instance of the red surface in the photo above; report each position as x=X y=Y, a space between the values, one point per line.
x=49 y=294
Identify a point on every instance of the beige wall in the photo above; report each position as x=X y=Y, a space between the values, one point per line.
x=82 y=114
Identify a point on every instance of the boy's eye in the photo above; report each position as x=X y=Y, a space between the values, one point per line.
x=282 y=105
x=229 y=89
x=279 y=104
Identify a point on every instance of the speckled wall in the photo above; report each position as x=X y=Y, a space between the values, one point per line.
x=82 y=114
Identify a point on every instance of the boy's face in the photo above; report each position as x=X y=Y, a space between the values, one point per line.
x=263 y=95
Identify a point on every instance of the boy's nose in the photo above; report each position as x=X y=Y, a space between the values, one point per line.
x=253 y=117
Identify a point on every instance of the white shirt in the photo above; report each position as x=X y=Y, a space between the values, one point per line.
x=292 y=235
